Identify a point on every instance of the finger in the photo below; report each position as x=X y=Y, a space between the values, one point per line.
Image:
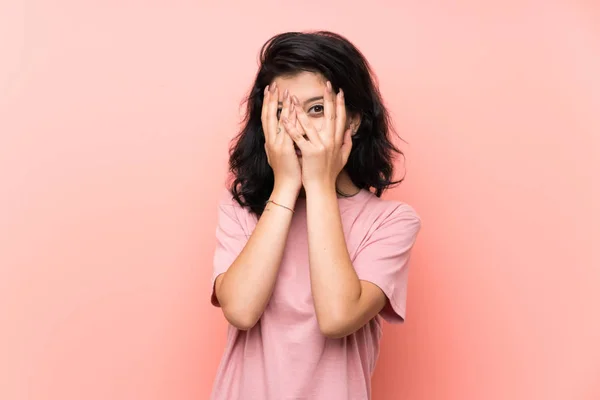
x=265 y=111
x=329 y=110
x=304 y=122
x=267 y=153
x=285 y=111
x=293 y=120
x=272 y=112
x=346 y=146
x=340 y=121
x=296 y=135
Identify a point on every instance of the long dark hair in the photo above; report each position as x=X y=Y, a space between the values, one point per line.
x=370 y=164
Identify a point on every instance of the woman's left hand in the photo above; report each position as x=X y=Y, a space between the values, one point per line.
x=325 y=151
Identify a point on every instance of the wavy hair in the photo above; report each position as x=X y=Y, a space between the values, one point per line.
x=370 y=164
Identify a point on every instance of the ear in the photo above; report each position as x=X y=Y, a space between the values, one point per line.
x=353 y=123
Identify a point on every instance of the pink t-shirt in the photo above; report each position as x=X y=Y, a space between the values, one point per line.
x=285 y=356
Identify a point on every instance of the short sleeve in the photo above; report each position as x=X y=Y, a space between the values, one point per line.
x=230 y=240
x=383 y=258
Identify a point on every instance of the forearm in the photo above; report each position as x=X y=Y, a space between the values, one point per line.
x=245 y=289
x=335 y=285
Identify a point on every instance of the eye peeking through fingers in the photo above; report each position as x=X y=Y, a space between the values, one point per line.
x=316 y=110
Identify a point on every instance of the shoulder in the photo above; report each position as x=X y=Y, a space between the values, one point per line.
x=392 y=213
x=228 y=206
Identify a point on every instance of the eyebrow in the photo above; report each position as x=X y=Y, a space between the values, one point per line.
x=308 y=100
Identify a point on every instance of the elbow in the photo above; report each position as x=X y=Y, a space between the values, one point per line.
x=334 y=334
x=240 y=315
x=335 y=328
x=241 y=318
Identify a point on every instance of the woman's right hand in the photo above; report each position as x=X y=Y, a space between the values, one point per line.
x=278 y=144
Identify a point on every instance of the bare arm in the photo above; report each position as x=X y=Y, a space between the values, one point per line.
x=343 y=303
x=244 y=290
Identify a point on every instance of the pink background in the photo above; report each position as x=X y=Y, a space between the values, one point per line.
x=115 y=118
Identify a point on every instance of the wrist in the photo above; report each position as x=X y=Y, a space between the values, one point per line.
x=287 y=185
x=285 y=194
x=321 y=187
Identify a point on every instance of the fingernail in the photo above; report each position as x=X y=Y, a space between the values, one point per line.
x=274 y=86
x=295 y=100
x=328 y=86
x=266 y=89
x=341 y=94
x=285 y=94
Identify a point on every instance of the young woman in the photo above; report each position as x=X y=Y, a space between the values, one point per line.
x=309 y=258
